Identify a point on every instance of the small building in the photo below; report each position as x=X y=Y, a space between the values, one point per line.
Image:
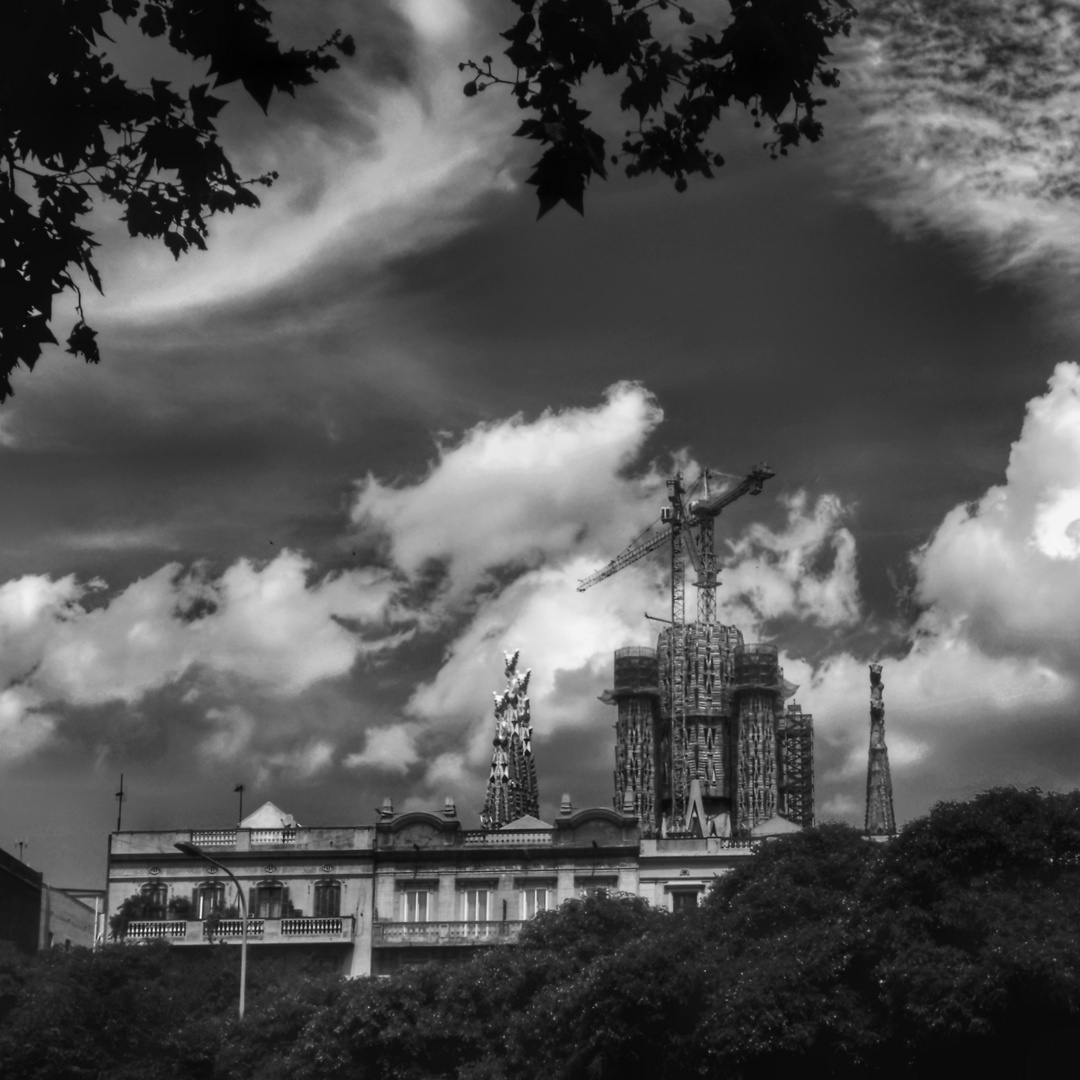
x=35 y=915
x=20 y=903
x=71 y=917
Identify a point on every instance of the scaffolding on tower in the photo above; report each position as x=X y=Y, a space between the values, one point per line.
x=690 y=532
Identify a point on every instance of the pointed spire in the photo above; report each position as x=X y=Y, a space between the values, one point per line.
x=512 y=792
x=880 y=820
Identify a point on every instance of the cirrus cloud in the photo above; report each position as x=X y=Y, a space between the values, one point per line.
x=971 y=111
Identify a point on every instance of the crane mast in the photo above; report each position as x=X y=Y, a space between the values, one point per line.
x=683 y=520
x=677 y=651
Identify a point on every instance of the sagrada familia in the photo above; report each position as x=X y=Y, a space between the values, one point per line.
x=709 y=739
x=745 y=758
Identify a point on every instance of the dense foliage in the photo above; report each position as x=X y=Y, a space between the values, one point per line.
x=957 y=945
x=771 y=57
x=73 y=133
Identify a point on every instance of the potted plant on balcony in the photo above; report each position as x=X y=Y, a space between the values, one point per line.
x=180 y=907
x=137 y=908
x=217 y=916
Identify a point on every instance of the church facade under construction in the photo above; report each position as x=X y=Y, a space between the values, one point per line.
x=740 y=762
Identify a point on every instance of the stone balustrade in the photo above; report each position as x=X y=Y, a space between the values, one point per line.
x=178 y=931
x=234 y=928
x=519 y=837
x=213 y=837
x=444 y=933
x=271 y=837
x=318 y=927
x=149 y=930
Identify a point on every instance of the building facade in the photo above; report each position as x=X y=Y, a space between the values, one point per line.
x=306 y=891
x=411 y=888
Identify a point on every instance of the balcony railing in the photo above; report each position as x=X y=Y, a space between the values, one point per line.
x=321 y=927
x=526 y=837
x=194 y=932
x=444 y=933
x=234 y=928
x=272 y=836
x=213 y=837
x=145 y=931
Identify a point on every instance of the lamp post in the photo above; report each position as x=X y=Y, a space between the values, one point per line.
x=198 y=853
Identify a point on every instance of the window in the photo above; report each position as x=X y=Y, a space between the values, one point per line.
x=155 y=895
x=209 y=897
x=414 y=905
x=534 y=900
x=596 y=885
x=477 y=905
x=684 y=900
x=267 y=899
x=327 y=899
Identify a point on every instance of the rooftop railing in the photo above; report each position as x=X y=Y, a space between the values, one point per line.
x=529 y=837
x=213 y=837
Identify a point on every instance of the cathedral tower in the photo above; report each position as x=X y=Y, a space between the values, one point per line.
x=879 y=805
x=512 y=792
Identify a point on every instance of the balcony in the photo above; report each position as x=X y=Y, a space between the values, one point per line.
x=165 y=929
x=276 y=931
x=397 y=934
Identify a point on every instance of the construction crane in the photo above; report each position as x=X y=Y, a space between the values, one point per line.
x=682 y=518
x=701 y=513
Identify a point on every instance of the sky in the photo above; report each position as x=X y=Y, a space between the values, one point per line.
x=330 y=470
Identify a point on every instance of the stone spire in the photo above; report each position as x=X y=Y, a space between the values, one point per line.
x=879 y=805
x=512 y=790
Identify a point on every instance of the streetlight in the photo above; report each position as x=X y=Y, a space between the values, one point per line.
x=198 y=853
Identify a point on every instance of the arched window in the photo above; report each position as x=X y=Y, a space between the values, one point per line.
x=155 y=895
x=327 y=899
x=267 y=900
x=209 y=897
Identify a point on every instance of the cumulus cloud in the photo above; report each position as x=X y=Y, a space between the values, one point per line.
x=24 y=725
x=805 y=569
x=521 y=493
x=266 y=627
x=234 y=728
x=391 y=748
x=997 y=644
x=1006 y=569
x=972 y=116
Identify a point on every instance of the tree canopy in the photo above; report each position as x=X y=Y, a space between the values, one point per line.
x=75 y=133
x=771 y=57
x=952 y=946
